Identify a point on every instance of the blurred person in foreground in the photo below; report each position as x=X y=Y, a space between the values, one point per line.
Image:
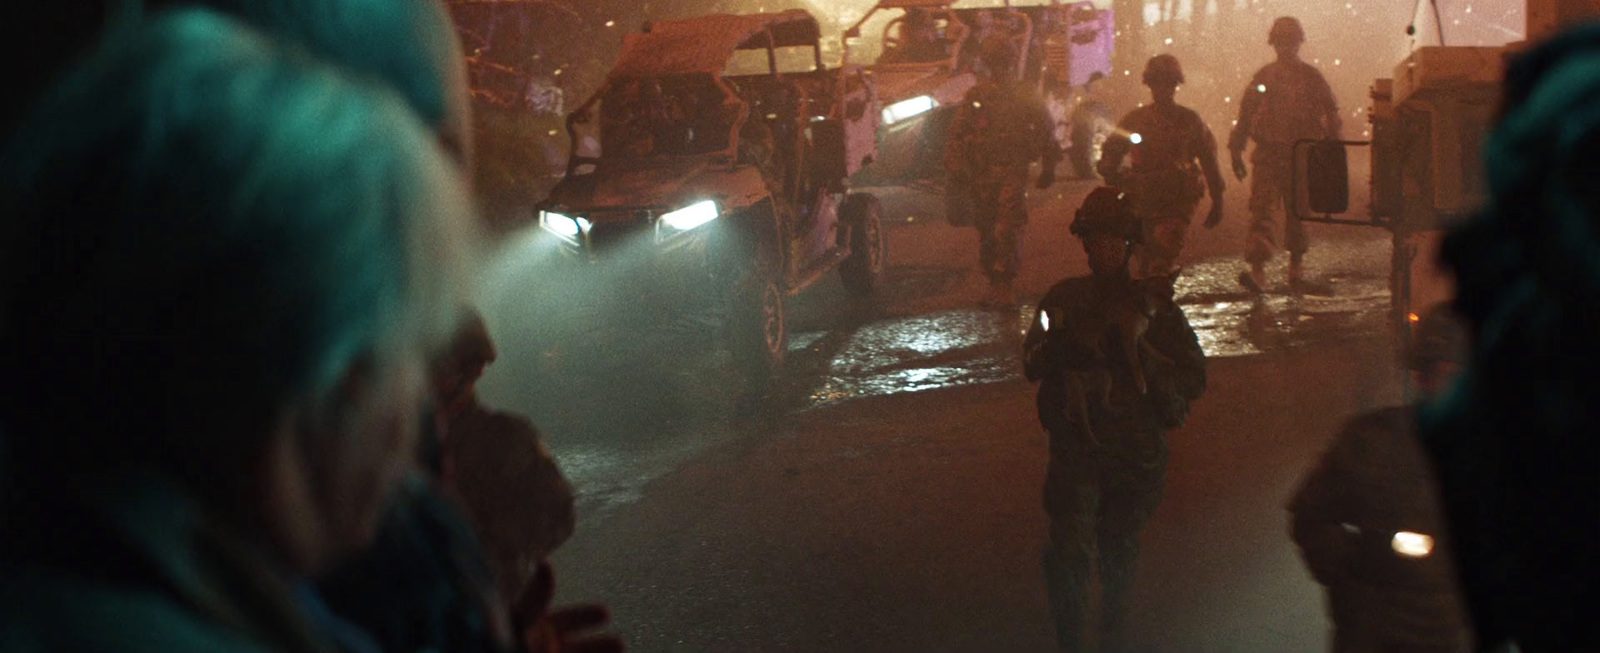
x=1108 y=436
x=431 y=581
x=1001 y=128
x=1286 y=101
x=213 y=357
x=1174 y=165
x=1515 y=441
x=1368 y=522
x=517 y=499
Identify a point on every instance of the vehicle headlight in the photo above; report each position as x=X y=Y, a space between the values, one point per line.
x=691 y=216
x=564 y=226
x=1412 y=545
x=907 y=109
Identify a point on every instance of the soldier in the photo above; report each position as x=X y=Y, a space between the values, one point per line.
x=516 y=498
x=920 y=41
x=1287 y=101
x=1108 y=455
x=1171 y=150
x=1090 y=119
x=1000 y=129
x=1368 y=522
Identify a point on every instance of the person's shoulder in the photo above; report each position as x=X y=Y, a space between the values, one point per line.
x=1024 y=93
x=1304 y=69
x=1374 y=429
x=483 y=417
x=1139 y=115
x=43 y=610
x=984 y=90
x=485 y=430
x=1068 y=290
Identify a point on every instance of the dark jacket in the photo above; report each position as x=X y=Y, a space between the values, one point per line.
x=1049 y=358
x=514 y=494
x=1374 y=481
x=134 y=564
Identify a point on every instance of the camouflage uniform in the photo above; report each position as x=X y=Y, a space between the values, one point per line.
x=517 y=499
x=1286 y=101
x=999 y=130
x=1099 y=498
x=1166 y=181
x=1373 y=482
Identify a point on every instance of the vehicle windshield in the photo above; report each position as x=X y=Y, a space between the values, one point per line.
x=916 y=36
x=754 y=61
x=677 y=115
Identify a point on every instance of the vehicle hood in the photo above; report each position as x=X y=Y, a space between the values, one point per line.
x=664 y=184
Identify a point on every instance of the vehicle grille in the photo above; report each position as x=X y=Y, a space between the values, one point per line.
x=609 y=233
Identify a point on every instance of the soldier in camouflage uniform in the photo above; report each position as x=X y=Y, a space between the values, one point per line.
x=1100 y=491
x=1172 y=150
x=1288 y=100
x=1001 y=128
x=516 y=498
x=1370 y=526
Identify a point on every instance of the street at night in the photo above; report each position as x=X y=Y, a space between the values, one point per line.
x=821 y=326
x=886 y=497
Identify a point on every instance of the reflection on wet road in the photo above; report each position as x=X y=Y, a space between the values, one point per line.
x=910 y=354
x=622 y=406
x=971 y=346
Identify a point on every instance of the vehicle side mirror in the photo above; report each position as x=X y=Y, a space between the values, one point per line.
x=1327 y=178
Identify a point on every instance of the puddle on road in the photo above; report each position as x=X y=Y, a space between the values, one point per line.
x=945 y=349
x=971 y=346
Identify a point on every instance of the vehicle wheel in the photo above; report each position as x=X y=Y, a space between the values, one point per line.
x=864 y=270
x=757 y=331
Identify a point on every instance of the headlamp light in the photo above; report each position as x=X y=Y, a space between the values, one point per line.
x=690 y=216
x=908 y=109
x=565 y=226
x=1412 y=545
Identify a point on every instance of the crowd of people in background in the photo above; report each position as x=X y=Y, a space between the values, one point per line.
x=238 y=353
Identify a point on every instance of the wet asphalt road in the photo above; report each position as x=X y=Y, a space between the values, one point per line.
x=886 y=496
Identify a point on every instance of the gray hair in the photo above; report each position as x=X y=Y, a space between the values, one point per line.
x=201 y=226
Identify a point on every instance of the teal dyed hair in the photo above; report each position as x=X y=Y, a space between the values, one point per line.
x=203 y=226
x=407 y=44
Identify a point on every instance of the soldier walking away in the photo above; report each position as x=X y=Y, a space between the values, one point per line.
x=1370 y=527
x=1000 y=130
x=1173 y=151
x=1108 y=446
x=1091 y=118
x=1288 y=100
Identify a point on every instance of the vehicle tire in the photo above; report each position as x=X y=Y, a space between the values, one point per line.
x=758 y=335
x=863 y=271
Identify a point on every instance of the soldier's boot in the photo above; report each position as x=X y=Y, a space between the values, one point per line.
x=1116 y=580
x=1298 y=281
x=1297 y=269
x=1068 y=589
x=1254 y=279
x=1113 y=618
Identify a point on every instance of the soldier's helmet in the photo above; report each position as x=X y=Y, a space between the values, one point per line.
x=1163 y=69
x=998 y=52
x=1286 y=30
x=1107 y=211
x=1438 y=337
